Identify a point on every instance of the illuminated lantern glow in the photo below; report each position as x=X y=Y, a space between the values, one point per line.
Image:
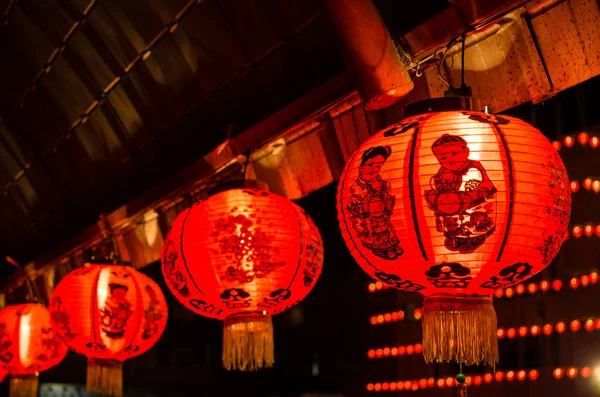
x=455 y=205
x=28 y=346
x=544 y=285
x=533 y=374
x=241 y=256
x=108 y=313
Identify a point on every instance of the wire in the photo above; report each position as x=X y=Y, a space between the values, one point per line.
x=248 y=157
x=462 y=60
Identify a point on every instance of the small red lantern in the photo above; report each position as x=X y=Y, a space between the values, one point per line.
x=109 y=314
x=455 y=205
x=28 y=346
x=242 y=256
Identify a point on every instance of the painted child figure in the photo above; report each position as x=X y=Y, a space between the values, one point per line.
x=117 y=311
x=462 y=196
x=371 y=206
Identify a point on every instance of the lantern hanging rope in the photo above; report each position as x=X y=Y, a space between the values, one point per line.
x=241 y=256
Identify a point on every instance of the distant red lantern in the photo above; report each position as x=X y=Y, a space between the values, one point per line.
x=109 y=314
x=455 y=205
x=28 y=346
x=242 y=256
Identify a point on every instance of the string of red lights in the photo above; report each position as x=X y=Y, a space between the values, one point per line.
x=587 y=183
x=583 y=138
x=589 y=325
x=520 y=289
x=478 y=380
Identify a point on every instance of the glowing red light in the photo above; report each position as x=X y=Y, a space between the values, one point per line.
x=597 y=234
x=545 y=285
x=423 y=383
x=499 y=376
x=574 y=283
x=477 y=380
x=533 y=374
x=407 y=385
x=594 y=141
x=520 y=289
x=509 y=292
x=370 y=387
x=556 y=285
x=588 y=230
x=510 y=376
x=379 y=285
x=372 y=288
x=487 y=378
x=596 y=371
x=577 y=232
x=387 y=317
x=558 y=373
x=575 y=325
x=532 y=288
x=521 y=375
x=587 y=183
x=380 y=319
x=589 y=325
x=594 y=275
x=468 y=381
x=410 y=349
x=394 y=316
x=401 y=350
x=441 y=384
x=500 y=333
x=560 y=327
x=394 y=351
x=431 y=382
x=415 y=385
x=499 y=293
x=400 y=386
x=556 y=145
x=386 y=351
x=393 y=386
x=585 y=280
x=572 y=372
x=417 y=314
x=379 y=353
x=574 y=186
x=449 y=381
x=586 y=372
x=371 y=354
x=596 y=186
x=583 y=138
x=548 y=329
x=400 y=315
x=418 y=348
x=535 y=330
x=377 y=386
x=569 y=141
x=523 y=331
x=374 y=320
x=385 y=386
x=511 y=333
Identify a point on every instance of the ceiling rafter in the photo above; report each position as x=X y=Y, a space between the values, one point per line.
x=6 y=14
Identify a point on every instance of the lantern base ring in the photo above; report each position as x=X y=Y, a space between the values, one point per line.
x=23 y=386
x=105 y=377
x=460 y=328
x=248 y=342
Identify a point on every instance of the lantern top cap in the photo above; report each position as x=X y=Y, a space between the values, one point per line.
x=444 y=104
x=237 y=184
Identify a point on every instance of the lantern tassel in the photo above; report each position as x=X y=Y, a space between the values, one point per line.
x=24 y=386
x=105 y=377
x=248 y=342
x=460 y=328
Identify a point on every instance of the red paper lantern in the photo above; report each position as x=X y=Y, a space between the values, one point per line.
x=28 y=346
x=108 y=313
x=243 y=255
x=455 y=205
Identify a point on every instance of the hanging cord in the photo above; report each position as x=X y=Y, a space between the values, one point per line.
x=115 y=256
x=248 y=155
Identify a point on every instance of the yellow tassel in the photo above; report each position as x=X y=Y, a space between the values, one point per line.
x=248 y=342
x=23 y=386
x=460 y=328
x=105 y=377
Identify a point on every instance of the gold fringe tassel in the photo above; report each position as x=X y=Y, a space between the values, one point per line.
x=105 y=377
x=460 y=328
x=248 y=342
x=24 y=386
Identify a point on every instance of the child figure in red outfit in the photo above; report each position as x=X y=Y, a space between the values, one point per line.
x=462 y=196
x=116 y=313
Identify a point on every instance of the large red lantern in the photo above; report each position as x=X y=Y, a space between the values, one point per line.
x=108 y=313
x=243 y=255
x=28 y=346
x=454 y=205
